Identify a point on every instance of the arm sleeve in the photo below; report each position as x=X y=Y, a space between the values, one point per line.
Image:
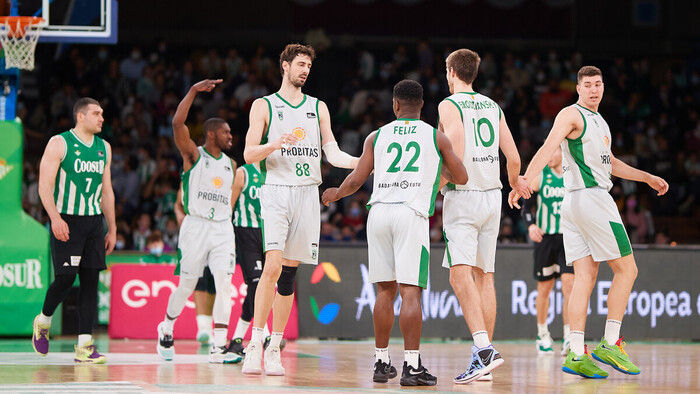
x=527 y=211
x=336 y=157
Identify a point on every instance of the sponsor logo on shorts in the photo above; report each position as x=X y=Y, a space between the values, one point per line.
x=314 y=250
x=75 y=260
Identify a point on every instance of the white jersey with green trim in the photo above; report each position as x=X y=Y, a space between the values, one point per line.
x=407 y=165
x=298 y=164
x=206 y=187
x=587 y=159
x=481 y=119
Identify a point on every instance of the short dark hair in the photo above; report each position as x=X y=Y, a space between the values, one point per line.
x=155 y=236
x=212 y=124
x=588 y=71
x=292 y=50
x=81 y=106
x=409 y=92
x=465 y=62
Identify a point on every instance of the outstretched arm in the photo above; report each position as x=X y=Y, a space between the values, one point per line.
x=335 y=156
x=507 y=145
x=623 y=170
x=184 y=143
x=357 y=177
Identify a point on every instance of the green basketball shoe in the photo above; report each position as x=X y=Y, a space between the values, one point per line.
x=615 y=356
x=583 y=366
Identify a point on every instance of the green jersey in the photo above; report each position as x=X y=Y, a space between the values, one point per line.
x=246 y=213
x=549 y=201
x=78 y=188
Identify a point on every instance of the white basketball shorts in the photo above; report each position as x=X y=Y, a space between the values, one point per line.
x=204 y=242
x=471 y=220
x=399 y=245
x=291 y=221
x=592 y=226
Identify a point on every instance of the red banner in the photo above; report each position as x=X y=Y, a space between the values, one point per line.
x=139 y=298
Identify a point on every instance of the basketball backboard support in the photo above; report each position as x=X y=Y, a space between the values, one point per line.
x=73 y=21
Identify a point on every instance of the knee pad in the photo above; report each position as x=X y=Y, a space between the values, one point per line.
x=285 y=284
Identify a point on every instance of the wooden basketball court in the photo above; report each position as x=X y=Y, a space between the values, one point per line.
x=330 y=366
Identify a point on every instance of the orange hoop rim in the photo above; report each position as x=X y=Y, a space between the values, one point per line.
x=18 y=24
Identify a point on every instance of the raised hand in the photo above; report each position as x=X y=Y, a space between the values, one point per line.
x=206 y=86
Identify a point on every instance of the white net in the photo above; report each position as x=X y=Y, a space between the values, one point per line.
x=18 y=38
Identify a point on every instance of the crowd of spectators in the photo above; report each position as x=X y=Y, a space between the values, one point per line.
x=652 y=106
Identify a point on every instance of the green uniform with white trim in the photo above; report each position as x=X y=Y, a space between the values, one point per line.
x=549 y=201
x=246 y=213
x=78 y=188
x=590 y=220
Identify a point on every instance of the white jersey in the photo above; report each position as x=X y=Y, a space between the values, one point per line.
x=407 y=165
x=298 y=164
x=206 y=187
x=587 y=159
x=481 y=118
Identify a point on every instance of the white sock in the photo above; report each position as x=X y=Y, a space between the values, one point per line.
x=577 y=342
x=481 y=339
x=256 y=336
x=542 y=330
x=567 y=330
x=241 y=328
x=612 y=331
x=83 y=339
x=44 y=320
x=266 y=331
x=411 y=358
x=275 y=339
x=381 y=354
x=204 y=322
x=220 y=336
x=168 y=325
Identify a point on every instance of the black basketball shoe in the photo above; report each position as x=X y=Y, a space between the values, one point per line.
x=418 y=376
x=236 y=346
x=383 y=372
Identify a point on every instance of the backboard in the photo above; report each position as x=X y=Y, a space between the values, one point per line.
x=72 y=21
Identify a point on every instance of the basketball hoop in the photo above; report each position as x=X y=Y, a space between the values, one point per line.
x=18 y=36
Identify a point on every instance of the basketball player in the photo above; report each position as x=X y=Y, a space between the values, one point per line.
x=471 y=213
x=406 y=156
x=204 y=291
x=550 y=263
x=591 y=224
x=75 y=187
x=206 y=233
x=285 y=134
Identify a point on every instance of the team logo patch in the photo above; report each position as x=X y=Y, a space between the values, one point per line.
x=77 y=152
x=280 y=115
x=311 y=115
x=299 y=132
x=75 y=260
x=101 y=154
x=314 y=250
x=217 y=182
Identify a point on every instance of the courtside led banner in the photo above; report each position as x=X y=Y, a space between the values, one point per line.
x=139 y=298
x=336 y=297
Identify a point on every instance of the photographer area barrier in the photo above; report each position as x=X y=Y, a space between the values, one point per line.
x=335 y=298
